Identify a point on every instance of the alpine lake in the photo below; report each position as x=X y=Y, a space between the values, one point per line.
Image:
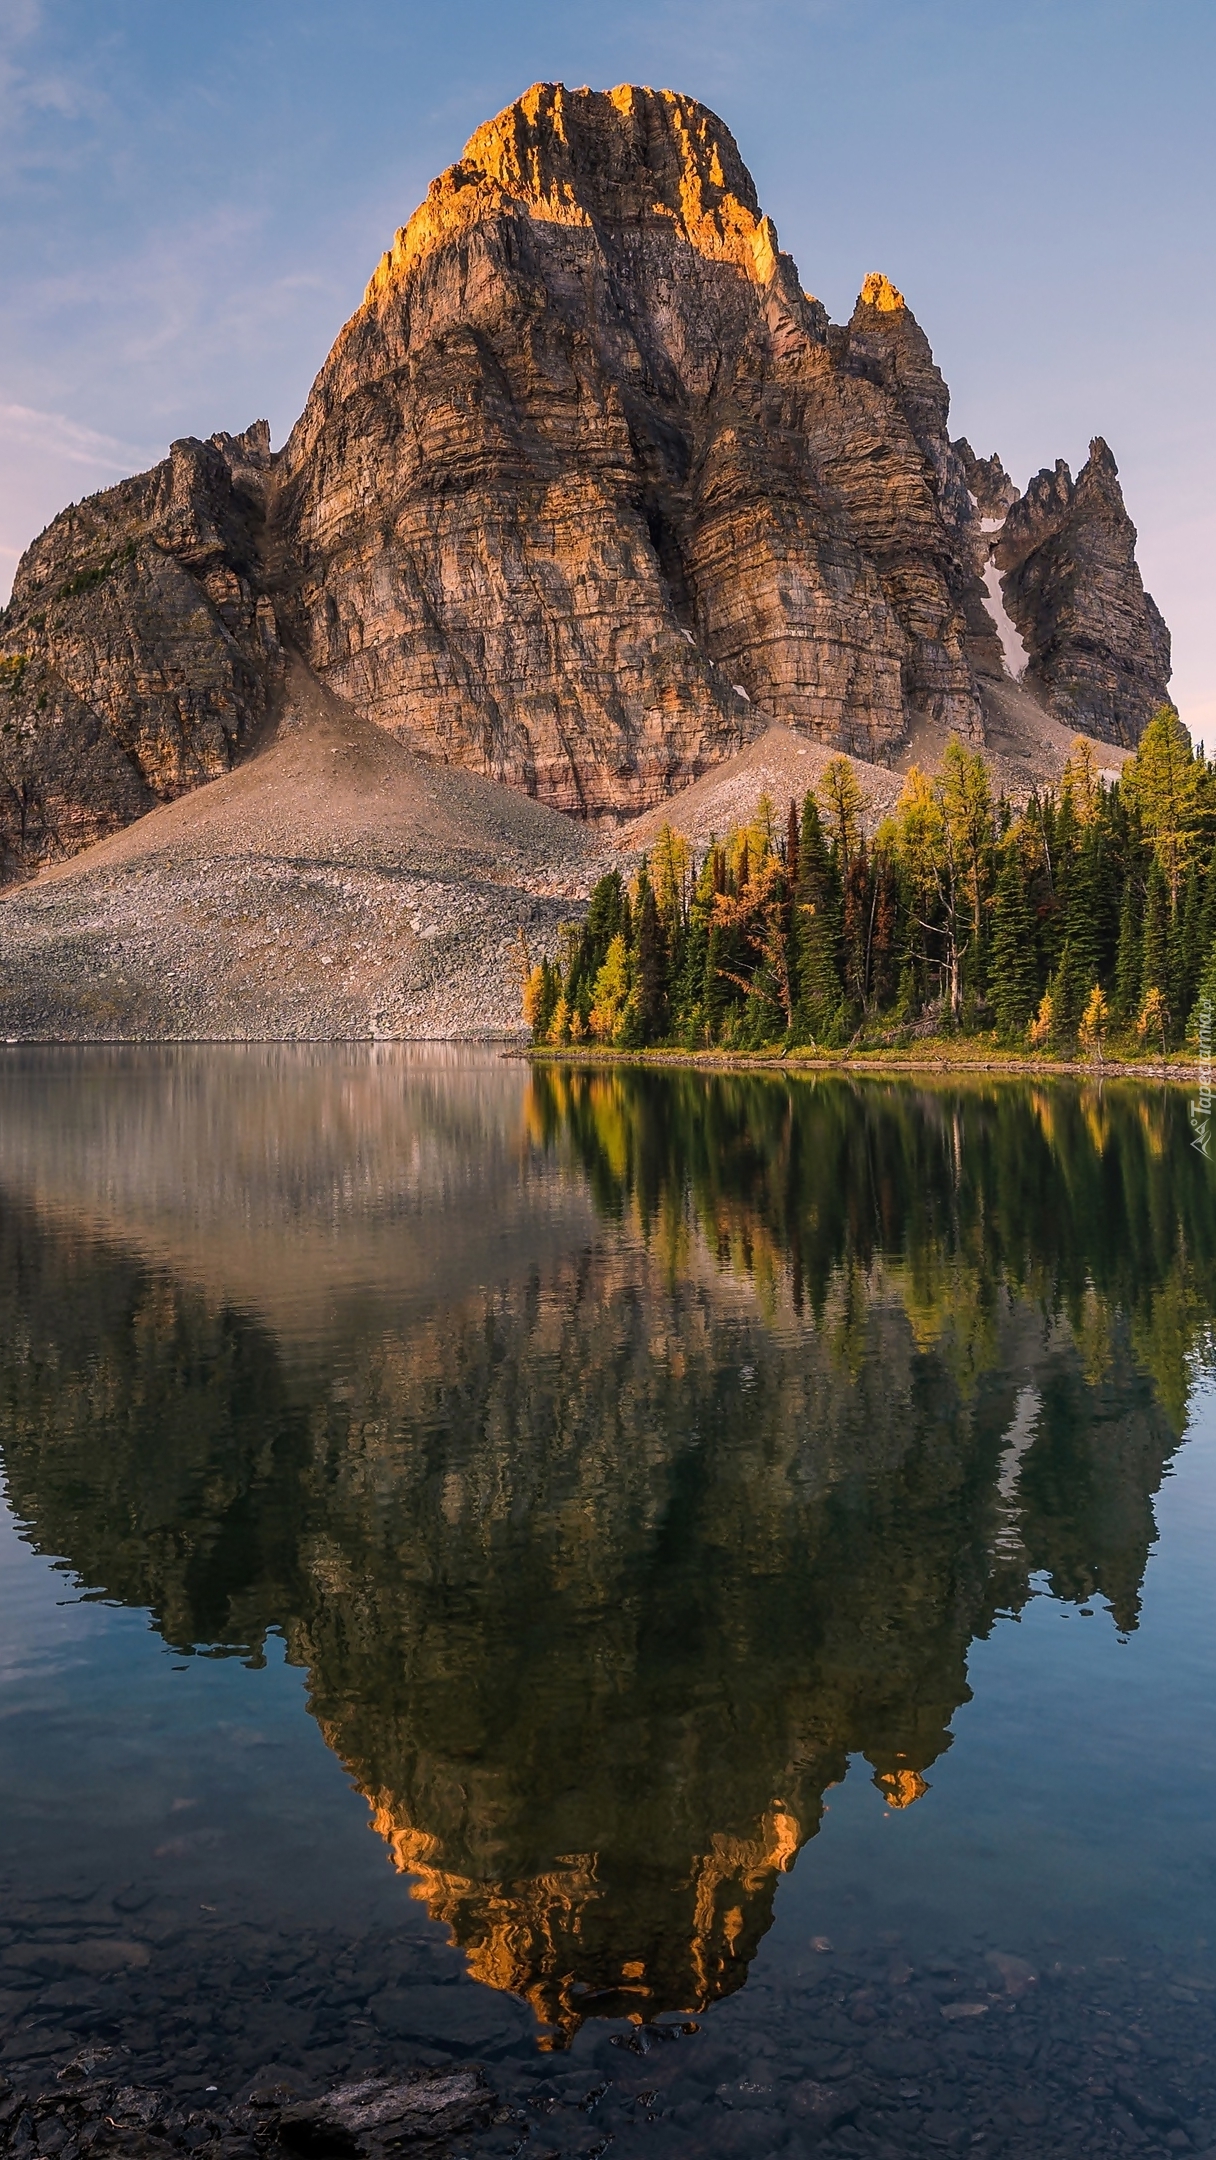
x=696 y=1594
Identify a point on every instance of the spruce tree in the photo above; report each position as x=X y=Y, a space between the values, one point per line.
x=1014 y=976
x=1207 y=912
x=649 y=965
x=1128 y=958
x=1083 y=909
x=817 y=907
x=688 y=1017
x=1156 y=961
x=1189 y=955
x=1069 y=991
x=855 y=929
x=607 y=917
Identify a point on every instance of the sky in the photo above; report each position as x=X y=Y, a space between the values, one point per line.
x=193 y=194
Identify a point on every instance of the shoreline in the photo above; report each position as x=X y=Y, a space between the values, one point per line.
x=1180 y=1071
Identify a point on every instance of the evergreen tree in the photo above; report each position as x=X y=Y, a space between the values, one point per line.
x=607 y=917
x=884 y=933
x=1156 y=961
x=1082 y=907
x=817 y=907
x=1201 y=1027
x=855 y=930
x=791 y=842
x=1128 y=959
x=648 y=996
x=1189 y=955
x=717 y=994
x=1207 y=912
x=1014 y=974
x=1069 y=991
x=774 y=936
x=689 y=1017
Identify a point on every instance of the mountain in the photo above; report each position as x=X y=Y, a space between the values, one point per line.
x=588 y=494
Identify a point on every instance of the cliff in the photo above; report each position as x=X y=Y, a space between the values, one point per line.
x=1096 y=640
x=588 y=493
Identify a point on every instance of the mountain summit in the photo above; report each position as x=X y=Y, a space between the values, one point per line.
x=587 y=495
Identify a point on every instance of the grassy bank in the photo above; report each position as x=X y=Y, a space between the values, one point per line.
x=925 y=1058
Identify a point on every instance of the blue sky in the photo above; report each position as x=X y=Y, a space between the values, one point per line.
x=194 y=192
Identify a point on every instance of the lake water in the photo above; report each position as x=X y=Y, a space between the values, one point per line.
x=697 y=1587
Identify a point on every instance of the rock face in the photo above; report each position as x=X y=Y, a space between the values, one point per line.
x=139 y=644
x=1097 y=642
x=583 y=492
x=588 y=493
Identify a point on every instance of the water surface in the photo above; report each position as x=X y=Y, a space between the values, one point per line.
x=512 y=1562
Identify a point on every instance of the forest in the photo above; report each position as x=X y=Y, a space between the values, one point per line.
x=1082 y=924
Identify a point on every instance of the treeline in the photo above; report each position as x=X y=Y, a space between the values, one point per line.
x=1088 y=916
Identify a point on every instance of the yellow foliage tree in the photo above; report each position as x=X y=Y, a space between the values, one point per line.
x=1094 y=1022
x=611 y=992
x=534 y=995
x=1041 y=1026
x=1162 y=782
x=1154 y=1018
x=1080 y=779
x=841 y=795
x=671 y=875
x=559 y=1026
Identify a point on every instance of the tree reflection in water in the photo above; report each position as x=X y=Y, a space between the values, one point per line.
x=606 y=1552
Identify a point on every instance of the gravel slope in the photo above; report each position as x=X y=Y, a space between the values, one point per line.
x=338 y=887
x=335 y=886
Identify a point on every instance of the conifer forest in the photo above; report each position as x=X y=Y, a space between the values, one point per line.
x=1083 y=924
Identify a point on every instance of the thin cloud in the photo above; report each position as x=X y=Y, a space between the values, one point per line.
x=63 y=438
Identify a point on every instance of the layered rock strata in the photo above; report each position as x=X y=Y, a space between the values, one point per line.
x=1097 y=643
x=588 y=493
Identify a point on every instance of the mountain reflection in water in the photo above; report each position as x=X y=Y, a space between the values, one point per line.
x=619 y=1452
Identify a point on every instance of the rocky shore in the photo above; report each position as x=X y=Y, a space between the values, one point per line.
x=872 y=2051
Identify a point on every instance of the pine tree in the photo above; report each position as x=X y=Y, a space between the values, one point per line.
x=1188 y=948
x=884 y=933
x=1128 y=959
x=855 y=929
x=1201 y=1027
x=649 y=992
x=607 y=917
x=817 y=907
x=1156 y=963
x=1207 y=913
x=717 y=995
x=1014 y=975
x=1069 y=991
x=689 y=1017
x=1083 y=908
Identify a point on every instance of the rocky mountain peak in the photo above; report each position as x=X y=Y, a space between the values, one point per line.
x=993 y=491
x=878 y=292
x=1096 y=640
x=597 y=158
x=587 y=495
